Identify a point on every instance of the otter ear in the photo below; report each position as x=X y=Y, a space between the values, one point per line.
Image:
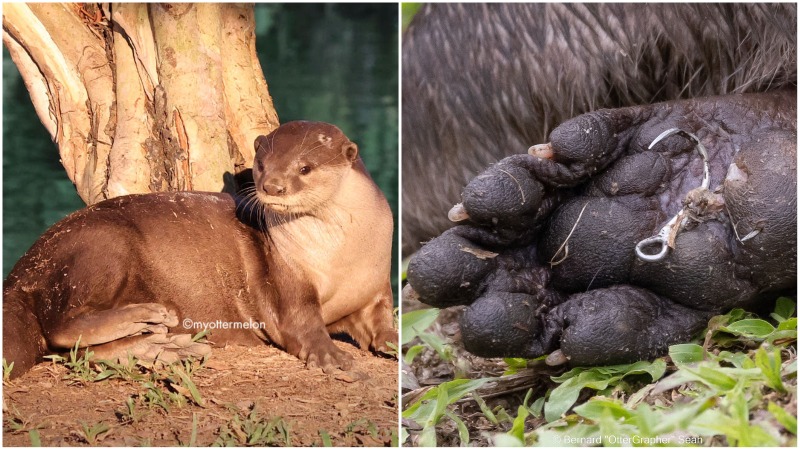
x=350 y=151
x=261 y=142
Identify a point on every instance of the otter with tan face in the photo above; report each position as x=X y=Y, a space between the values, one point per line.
x=140 y=274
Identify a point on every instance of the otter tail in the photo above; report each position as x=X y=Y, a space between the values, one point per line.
x=23 y=340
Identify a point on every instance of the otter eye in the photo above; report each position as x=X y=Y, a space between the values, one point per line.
x=305 y=170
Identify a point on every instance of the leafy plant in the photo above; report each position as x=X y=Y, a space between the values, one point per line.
x=598 y=378
x=416 y=322
x=736 y=387
x=7 y=369
x=163 y=386
x=253 y=430
x=14 y=423
x=326 y=438
x=367 y=424
x=193 y=435
x=414 y=325
x=36 y=439
x=432 y=407
x=179 y=379
x=93 y=434
x=79 y=364
x=722 y=389
x=130 y=414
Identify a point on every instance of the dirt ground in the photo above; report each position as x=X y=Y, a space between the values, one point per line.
x=256 y=396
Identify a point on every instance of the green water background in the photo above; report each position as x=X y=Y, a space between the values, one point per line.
x=335 y=63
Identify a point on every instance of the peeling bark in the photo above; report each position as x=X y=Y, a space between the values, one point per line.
x=128 y=164
x=242 y=76
x=143 y=97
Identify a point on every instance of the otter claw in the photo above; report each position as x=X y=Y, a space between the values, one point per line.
x=557 y=358
x=457 y=213
x=409 y=294
x=541 y=151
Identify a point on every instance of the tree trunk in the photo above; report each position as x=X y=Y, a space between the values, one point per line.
x=143 y=97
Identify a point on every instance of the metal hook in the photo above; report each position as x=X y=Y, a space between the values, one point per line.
x=700 y=149
x=662 y=238
x=658 y=239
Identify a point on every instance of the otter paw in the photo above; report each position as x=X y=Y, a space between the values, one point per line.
x=621 y=324
x=504 y=324
x=609 y=180
x=163 y=348
x=154 y=313
x=328 y=357
x=100 y=327
x=383 y=341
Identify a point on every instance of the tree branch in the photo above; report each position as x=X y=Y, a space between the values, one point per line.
x=66 y=93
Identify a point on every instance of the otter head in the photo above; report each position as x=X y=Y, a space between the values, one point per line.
x=300 y=166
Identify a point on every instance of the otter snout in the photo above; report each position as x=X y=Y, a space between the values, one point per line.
x=273 y=189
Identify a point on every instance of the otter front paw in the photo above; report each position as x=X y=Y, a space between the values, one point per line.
x=325 y=355
x=566 y=220
x=385 y=341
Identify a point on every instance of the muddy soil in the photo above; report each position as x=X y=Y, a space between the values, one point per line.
x=257 y=395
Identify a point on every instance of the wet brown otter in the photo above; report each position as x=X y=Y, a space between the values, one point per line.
x=142 y=273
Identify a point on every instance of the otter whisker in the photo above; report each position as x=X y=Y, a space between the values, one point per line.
x=519 y=186
x=564 y=244
x=303 y=141
x=310 y=149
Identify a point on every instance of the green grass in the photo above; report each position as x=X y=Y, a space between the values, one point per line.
x=162 y=386
x=94 y=433
x=130 y=413
x=254 y=430
x=735 y=386
x=14 y=423
x=414 y=325
x=326 y=438
x=79 y=365
x=7 y=369
x=359 y=427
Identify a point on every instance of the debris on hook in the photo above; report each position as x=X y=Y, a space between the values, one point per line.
x=666 y=236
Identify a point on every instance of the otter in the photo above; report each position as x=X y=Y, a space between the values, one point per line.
x=303 y=253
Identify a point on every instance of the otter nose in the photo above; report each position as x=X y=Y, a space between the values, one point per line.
x=274 y=189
